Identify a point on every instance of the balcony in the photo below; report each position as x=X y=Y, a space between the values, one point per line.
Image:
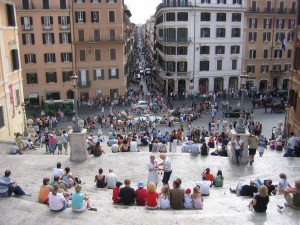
x=173 y=5
x=184 y=40
x=64 y=26
x=254 y=9
x=48 y=27
x=84 y=84
x=282 y=11
x=102 y=39
x=276 y=73
x=269 y=10
x=27 y=27
x=292 y=11
x=176 y=74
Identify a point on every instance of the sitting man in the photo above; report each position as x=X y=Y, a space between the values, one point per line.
x=245 y=190
x=195 y=150
x=204 y=186
x=115 y=148
x=7 y=186
x=268 y=184
x=14 y=150
x=127 y=194
x=111 y=141
x=186 y=148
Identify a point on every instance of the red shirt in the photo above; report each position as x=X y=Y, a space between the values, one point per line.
x=115 y=198
x=151 y=199
x=141 y=196
x=209 y=176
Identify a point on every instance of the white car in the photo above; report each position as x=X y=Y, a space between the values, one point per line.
x=141 y=104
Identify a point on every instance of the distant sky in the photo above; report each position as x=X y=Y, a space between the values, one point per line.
x=141 y=10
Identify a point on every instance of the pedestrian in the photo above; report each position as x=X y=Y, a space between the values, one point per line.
x=167 y=168
x=292 y=142
x=238 y=146
x=152 y=167
x=253 y=144
x=262 y=145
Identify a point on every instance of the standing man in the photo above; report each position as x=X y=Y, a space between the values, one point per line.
x=111 y=179
x=167 y=168
x=238 y=146
x=253 y=144
x=65 y=139
x=292 y=142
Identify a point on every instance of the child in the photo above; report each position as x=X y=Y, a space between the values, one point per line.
x=141 y=194
x=116 y=191
x=188 y=202
x=164 y=198
x=29 y=145
x=197 y=198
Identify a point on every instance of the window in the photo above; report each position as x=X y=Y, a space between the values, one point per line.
x=113 y=73
x=111 y=18
x=81 y=35
x=205 y=32
x=264 y=69
x=235 y=49
x=45 y=4
x=182 y=50
x=170 y=16
x=10 y=15
x=49 y=58
x=292 y=24
x=205 y=1
x=25 y=4
x=237 y=2
x=266 y=52
x=205 y=16
x=204 y=50
x=82 y=55
x=289 y=53
x=112 y=34
x=220 y=49
x=182 y=66
x=30 y=58
x=279 y=36
x=252 y=54
x=269 y=5
x=15 y=59
x=221 y=1
x=96 y=35
x=18 y=100
x=252 y=23
x=28 y=39
x=278 y=53
x=290 y=37
x=95 y=17
x=64 y=22
x=170 y=66
x=220 y=32
x=26 y=23
x=111 y=1
x=32 y=78
x=84 y=77
x=236 y=17
x=280 y=24
x=221 y=17
x=235 y=32
x=204 y=65
x=98 y=74
x=2 y=124
x=234 y=64
x=62 y=4
x=182 y=16
x=95 y=1
x=48 y=38
x=112 y=54
x=250 y=69
x=47 y=22
x=287 y=67
x=65 y=38
x=219 y=64
x=170 y=50
x=97 y=55
x=267 y=23
x=51 y=77
x=182 y=34
x=66 y=56
x=252 y=36
x=266 y=36
x=276 y=67
x=66 y=76
x=80 y=16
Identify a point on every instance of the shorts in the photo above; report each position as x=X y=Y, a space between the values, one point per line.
x=166 y=177
x=80 y=210
x=289 y=200
x=252 y=151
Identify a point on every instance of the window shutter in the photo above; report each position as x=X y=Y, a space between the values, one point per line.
x=68 y=20
x=109 y=74
x=54 y=60
x=51 y=20
x=15 y=58
x=83 y=1
x=54 y=76
x=42 y=20
x=24 y=39
x=10 y=15
x=76 y=17
x=22 y=20
x=87 y=75
x=52 y=37
x=117 y=73
x=45 y=58
x=95 y=78
x=71 y=58
x=107 y=1
x=25 y=57
x=102 y=74
x=69 y=38
x=59 y=20
x=44 y=39
x=34 y=58
x=84 y=17
x=32 y=39
x=31 y=21
x=27 y=76
x=115 y=1
x=60 y=38
x=62 y=57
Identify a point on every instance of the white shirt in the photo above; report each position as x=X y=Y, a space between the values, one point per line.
x=133 y=146
x=204 y=186
x=111 y=180
x=292 y=142
x=167 y=164
x=56 y=202
x=238 y=144
x=57 y=172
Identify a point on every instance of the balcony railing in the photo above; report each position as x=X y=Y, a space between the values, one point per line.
x=292 y=11
x=254 y=9
x=48 y=27
x=174 y=4
x=64 y=26
x=103 y=39
x=269 y=10
x=174 y=40
x=27 y=27
x=276 y=73
x=84 y=84
x=282 y=10
x=176 y=74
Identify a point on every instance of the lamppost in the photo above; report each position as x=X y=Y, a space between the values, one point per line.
x=74 y=80
x=25 y=133
x=240 y=128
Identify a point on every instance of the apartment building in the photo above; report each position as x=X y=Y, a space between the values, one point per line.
x=64 y=37
x=268 y=42
x=199 y=44
x=11 y=91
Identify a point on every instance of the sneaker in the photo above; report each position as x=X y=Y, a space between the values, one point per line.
x=279 y=207
x=28 y=194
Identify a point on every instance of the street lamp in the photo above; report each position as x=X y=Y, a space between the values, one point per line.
x=74 y=80
x=25 y=133
x=240 y=128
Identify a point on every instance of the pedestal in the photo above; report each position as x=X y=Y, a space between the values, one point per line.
x=78 y=146
x=245 y=154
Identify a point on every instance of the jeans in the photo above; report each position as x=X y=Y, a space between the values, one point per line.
x=238 y=154
x=52 y=148
x=16 y=190
x=289 y=153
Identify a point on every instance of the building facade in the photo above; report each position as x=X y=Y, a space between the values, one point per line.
x=11 y=91
x=199 y=45
x=269 y=35
x=64 y=37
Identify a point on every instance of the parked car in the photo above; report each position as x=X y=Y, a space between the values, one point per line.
x=236 y=113
x=141 y=104
x=279 y=93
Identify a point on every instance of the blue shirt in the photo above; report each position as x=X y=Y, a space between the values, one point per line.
x=77 y=200
x=5 y=183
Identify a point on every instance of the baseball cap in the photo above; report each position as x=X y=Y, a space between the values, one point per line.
x=188 y=191
x=141 y=184
x=119 y=183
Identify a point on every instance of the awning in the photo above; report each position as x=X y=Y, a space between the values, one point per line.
x=33 y=95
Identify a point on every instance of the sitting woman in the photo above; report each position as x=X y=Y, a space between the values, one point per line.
x=260 y=201
x=197 y=198
x=57 y=202
x=164 y=198
x=44 y=191
x=209 y=176
x=211 y=142
x=98 y=150
x=80 y=202
x=223 y=152
x=218 y=181
x=68 y=178
x=283 y=183
x=124 y=146
x=151 y=196
x=100 y=179
x=204 y=149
